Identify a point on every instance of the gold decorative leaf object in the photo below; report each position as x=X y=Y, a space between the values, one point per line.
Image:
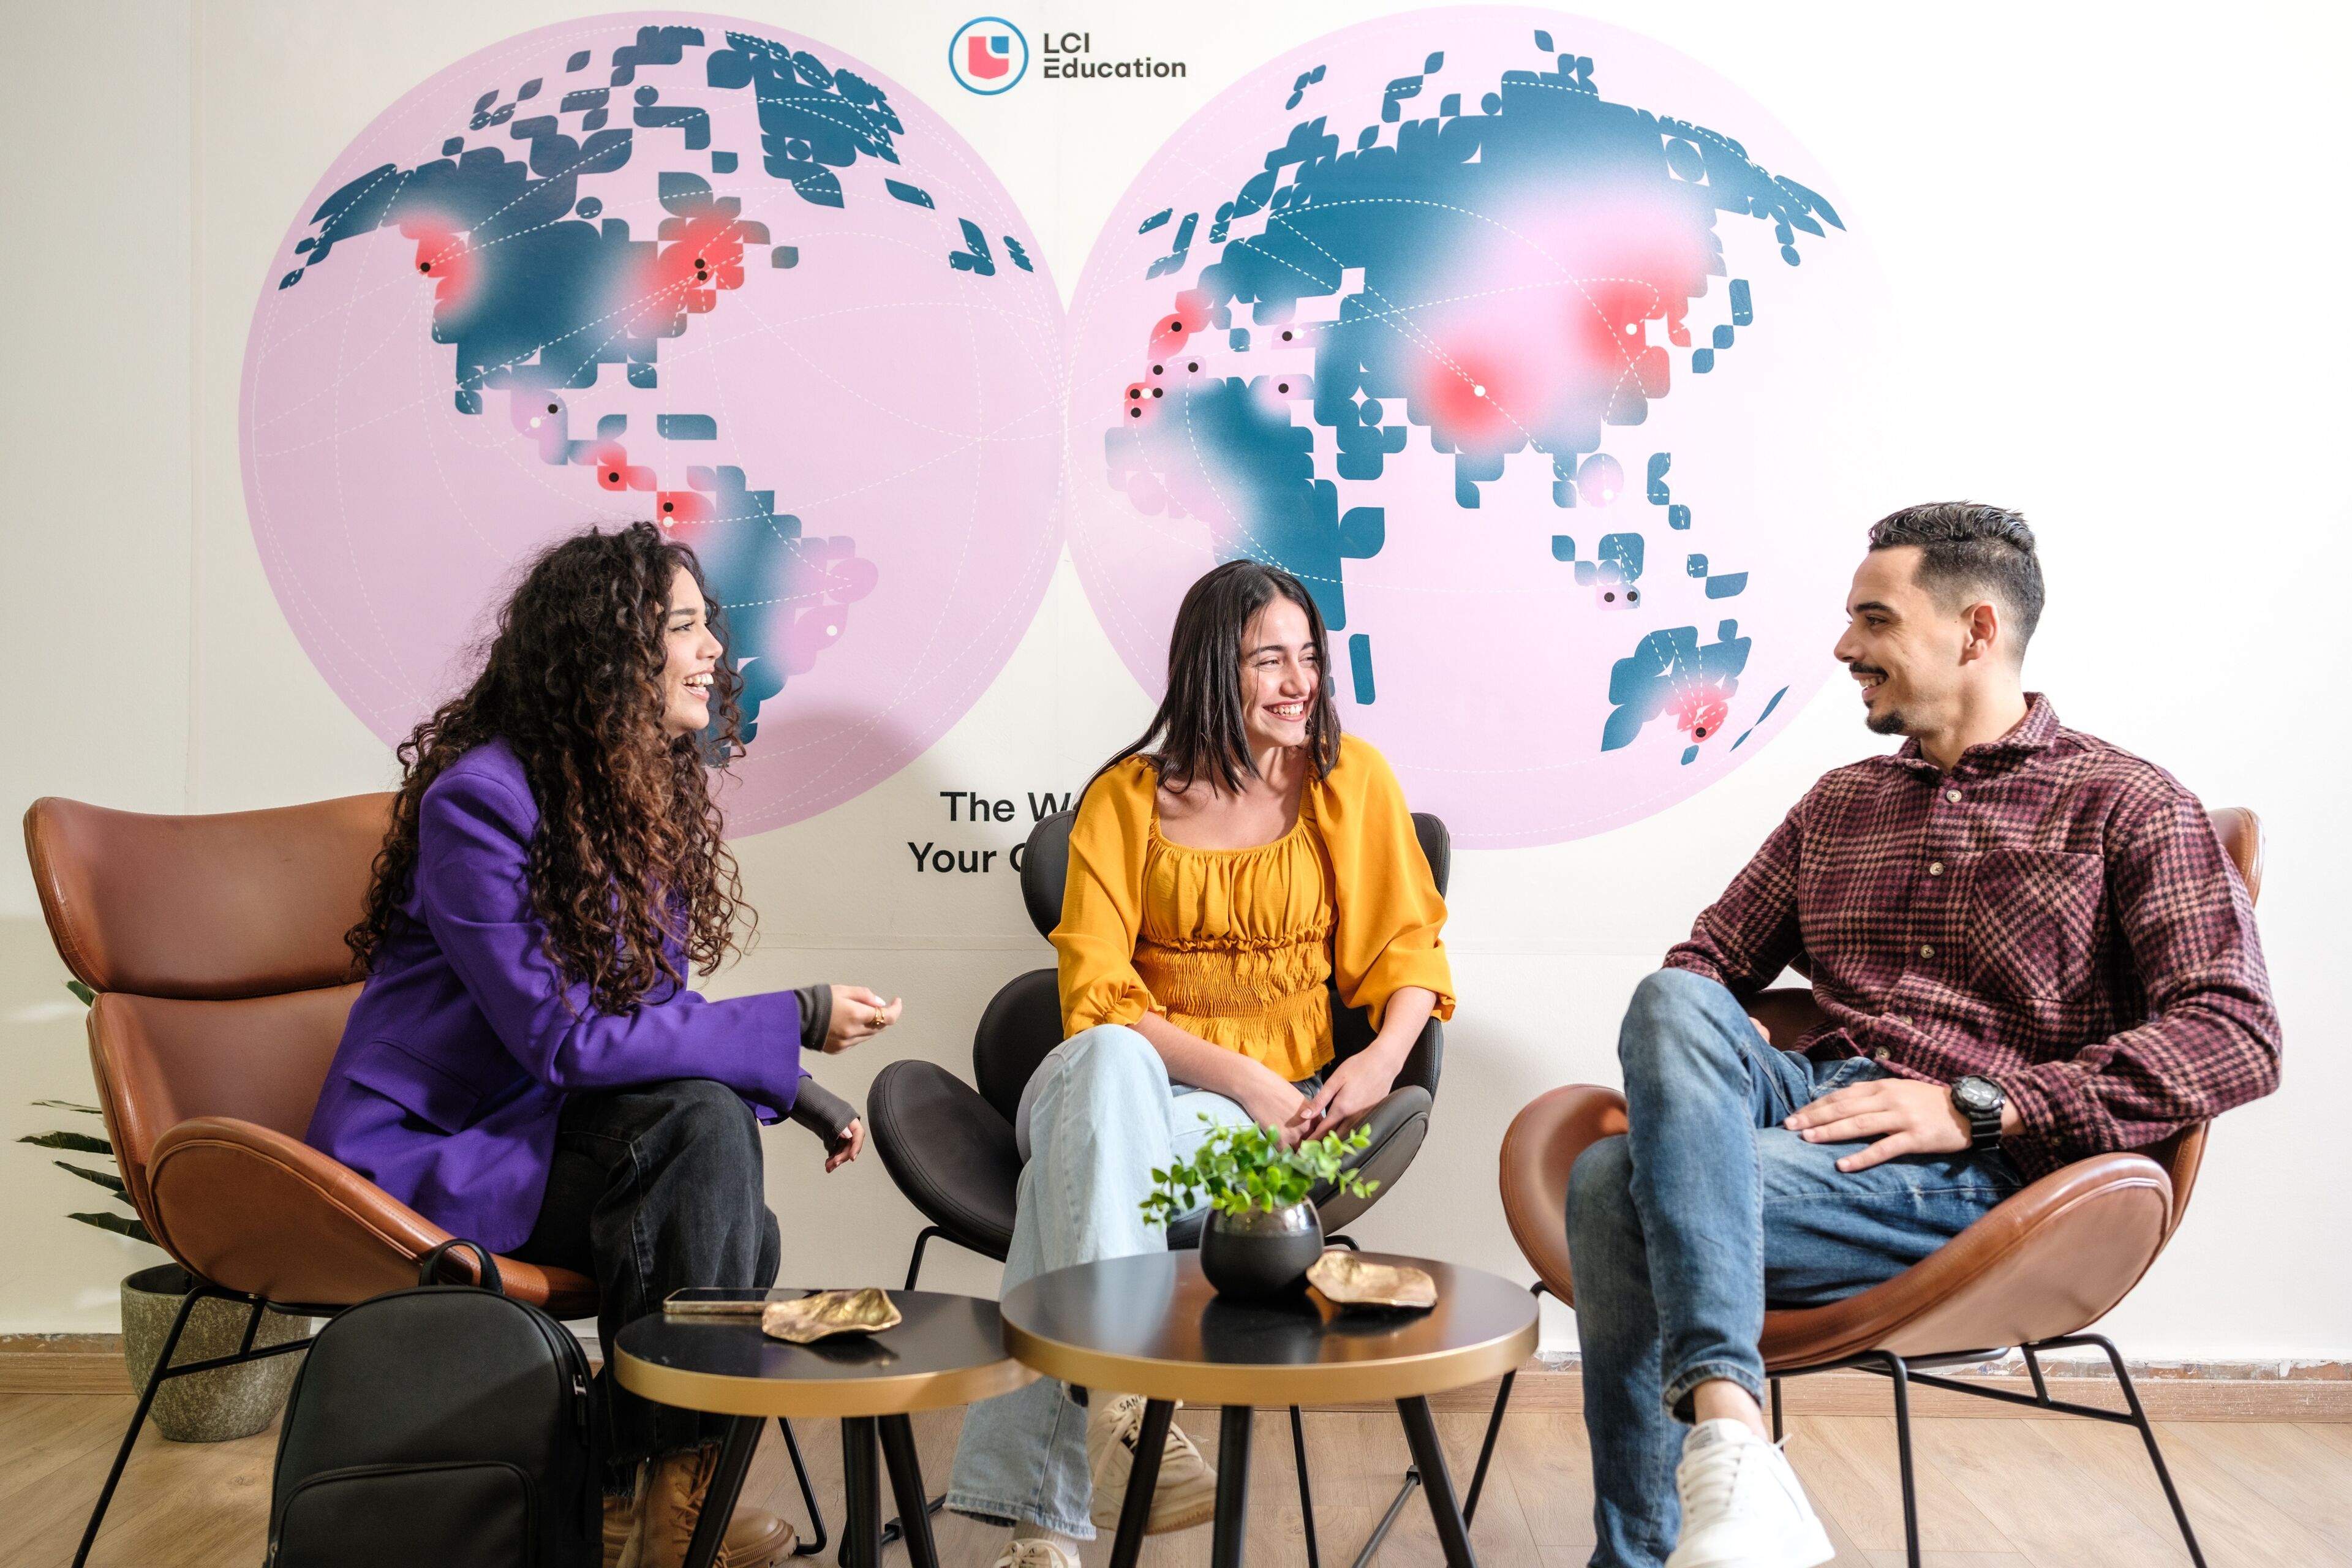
x=830 y=1312
x=1353 y=1280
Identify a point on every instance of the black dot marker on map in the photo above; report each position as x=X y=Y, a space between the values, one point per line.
x=425 y=266
x=614 y=478
x=1285 y=337
x=552 y=409
x=1135 y=392
x=1155 y=392
x=1700 y=732
x=1283 y=386
x=1194 y=365
x=1135 y=413
x=1155 y=368
x=669 y=506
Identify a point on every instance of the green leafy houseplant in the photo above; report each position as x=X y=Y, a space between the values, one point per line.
x=1246 y=1168
x=128 y=1225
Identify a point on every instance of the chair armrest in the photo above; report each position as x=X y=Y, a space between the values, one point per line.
x=1426 y=1060
x=1539 y=1152
x=1398 y=1122
x=253 y=1210
x=2051 y=1259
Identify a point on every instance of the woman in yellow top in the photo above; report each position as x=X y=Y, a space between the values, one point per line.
x=1222 y=869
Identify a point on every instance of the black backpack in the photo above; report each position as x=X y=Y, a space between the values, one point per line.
x=446 y=1425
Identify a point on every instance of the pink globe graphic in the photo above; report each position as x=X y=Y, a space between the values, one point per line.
x=699 y=271
x=1541 y=354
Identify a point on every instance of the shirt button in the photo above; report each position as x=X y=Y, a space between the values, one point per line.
x=1935 y=868
x=1926 y=950
x=1953 y=795
x=1880 y=1053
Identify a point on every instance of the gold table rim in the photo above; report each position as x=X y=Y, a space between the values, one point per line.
x=726 y=1394
x=1260 y=1384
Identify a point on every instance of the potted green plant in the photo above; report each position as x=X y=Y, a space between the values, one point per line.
x=210 y=1406
x=1262 y=1235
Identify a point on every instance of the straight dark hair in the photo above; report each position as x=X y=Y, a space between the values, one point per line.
x=1201 y=730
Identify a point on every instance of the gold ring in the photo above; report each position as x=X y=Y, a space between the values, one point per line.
x=877 y=1019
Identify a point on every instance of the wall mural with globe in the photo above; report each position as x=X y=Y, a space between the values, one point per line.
x=701 y=271
x=1539 y=352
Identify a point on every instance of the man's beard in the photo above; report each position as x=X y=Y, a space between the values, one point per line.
x=1890 y=722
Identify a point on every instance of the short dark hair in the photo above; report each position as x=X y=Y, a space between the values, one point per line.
x=1968 y=548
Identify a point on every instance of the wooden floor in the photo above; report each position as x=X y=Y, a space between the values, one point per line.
x=1994 y=1493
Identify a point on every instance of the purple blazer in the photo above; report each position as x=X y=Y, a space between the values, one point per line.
x=459 y=1052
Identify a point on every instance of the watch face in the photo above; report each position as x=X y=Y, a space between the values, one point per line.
x=1977 y=1094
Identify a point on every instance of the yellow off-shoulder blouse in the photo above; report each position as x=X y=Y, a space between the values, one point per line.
x=1235 y=945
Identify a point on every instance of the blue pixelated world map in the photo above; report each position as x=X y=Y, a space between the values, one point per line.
x=1540 y=353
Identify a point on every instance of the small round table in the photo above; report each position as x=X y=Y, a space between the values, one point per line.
x=1151 y=1325
x=947 y=1349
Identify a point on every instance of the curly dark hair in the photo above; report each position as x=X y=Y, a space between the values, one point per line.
x=628 y=850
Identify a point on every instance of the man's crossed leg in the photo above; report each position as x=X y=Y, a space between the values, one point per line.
x=1680 y=1232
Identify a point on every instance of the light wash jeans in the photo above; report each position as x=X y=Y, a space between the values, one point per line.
x=1680 y=1231
x=1098 y=1115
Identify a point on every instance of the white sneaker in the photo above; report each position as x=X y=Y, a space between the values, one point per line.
x=1742 y=1507
x=1036 y=1551
x=1186 y=1494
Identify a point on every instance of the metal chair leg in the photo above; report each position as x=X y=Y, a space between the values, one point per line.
x=915 y=1263
x=808 y=1495
x=139 y=1419
x=2148 y=1436
x=1306 y=1497
x=1900 y=1376
x=1776 y=1410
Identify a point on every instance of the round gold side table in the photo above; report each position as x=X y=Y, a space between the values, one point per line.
x=947 y=1349
x=1151 y=1325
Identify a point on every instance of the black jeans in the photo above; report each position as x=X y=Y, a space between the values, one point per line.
x=654 y=1189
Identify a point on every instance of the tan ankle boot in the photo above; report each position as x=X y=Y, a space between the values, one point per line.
x=670 y=1501
x=620 y=1524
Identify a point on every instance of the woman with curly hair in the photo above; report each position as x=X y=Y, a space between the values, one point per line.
x=526 y=1066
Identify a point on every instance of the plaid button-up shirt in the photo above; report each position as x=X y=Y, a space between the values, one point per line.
x=2054 y=914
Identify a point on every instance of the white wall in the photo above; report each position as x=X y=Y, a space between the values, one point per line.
x=2113 y=247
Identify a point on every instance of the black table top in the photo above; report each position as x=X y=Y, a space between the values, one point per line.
x=1150 y=1324
x=948 y=1350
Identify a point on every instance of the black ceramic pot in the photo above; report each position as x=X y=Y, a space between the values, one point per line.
x=1258 y=1256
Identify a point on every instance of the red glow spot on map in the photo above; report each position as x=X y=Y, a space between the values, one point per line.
x=1700 y=710
x=444 y=258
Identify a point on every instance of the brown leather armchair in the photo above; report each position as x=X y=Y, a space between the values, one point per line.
x=2034 y=1273
x=215 y=946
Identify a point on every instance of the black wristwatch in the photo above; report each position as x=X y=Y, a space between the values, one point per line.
x=1981 y=1100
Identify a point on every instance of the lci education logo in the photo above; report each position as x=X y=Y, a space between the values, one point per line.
x=988 y=55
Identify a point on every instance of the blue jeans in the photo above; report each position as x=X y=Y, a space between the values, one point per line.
x=1682 y=1230
x=1101 y=1112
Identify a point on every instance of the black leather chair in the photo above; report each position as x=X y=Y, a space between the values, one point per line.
x=949 y=1146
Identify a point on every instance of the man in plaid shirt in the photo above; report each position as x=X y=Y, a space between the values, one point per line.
x=2029 y=947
